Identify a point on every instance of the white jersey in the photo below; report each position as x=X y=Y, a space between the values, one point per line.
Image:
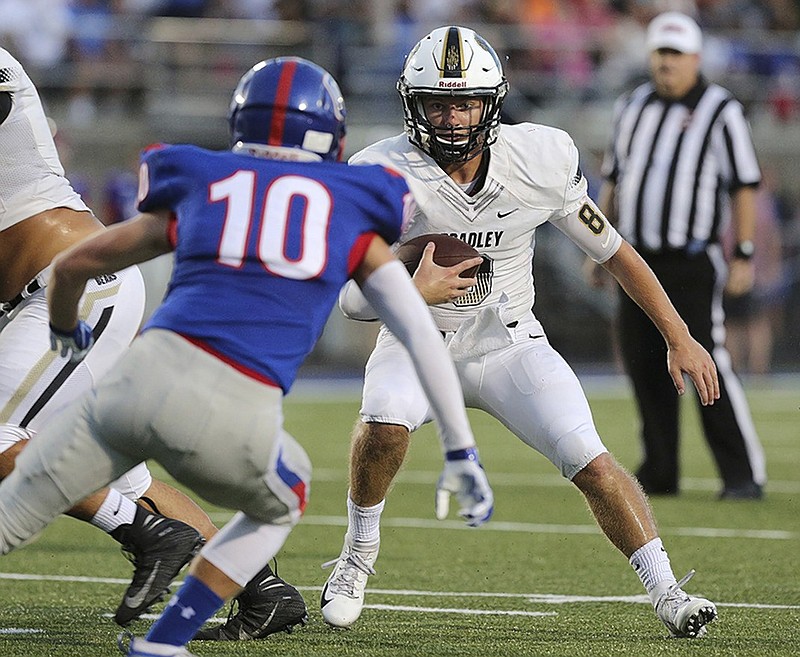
x=533 y=177
x=31 y=176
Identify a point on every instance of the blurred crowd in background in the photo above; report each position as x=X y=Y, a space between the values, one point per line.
x=583 y=48
x=94 y=59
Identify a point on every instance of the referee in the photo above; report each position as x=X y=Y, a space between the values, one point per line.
x=680 y=166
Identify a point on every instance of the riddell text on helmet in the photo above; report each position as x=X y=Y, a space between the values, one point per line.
x=451 y=84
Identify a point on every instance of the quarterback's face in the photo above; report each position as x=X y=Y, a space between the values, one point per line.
x=674 y=73
x=453 y=112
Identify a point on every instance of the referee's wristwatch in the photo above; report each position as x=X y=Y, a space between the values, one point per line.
x=744 y=250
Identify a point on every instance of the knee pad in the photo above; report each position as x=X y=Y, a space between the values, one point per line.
x=402 y=403
x=576 y=449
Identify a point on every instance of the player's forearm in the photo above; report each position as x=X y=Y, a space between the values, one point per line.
x=64 y=291
x=71 y=269
x=641 y=285
x=102 y=253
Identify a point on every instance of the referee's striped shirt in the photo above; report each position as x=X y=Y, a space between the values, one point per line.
x=674 y=165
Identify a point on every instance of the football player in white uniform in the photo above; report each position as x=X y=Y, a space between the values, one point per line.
x=40 y=216
x=492 y=185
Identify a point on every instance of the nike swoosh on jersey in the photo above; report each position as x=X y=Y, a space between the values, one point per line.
x=604 y=243
x=135 y=600
x=501 y=215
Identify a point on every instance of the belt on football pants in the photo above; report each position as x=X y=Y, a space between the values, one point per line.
x=31 y=288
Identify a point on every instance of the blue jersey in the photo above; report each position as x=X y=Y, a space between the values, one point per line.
x=262 y=248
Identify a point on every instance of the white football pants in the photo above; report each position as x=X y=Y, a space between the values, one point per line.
x=526 y=385
x=36 y=383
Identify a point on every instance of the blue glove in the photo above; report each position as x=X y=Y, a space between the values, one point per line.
x=75 y=343
x=464 y=476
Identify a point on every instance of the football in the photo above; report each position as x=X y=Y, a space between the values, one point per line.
x=449 y=251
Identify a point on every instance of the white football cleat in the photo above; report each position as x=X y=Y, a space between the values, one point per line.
x=685 y=616
x=131 y=646
x=342 y=596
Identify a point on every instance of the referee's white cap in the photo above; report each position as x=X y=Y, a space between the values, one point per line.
x=675 y=31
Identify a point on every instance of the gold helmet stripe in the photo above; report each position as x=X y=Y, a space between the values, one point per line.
x=453 y=55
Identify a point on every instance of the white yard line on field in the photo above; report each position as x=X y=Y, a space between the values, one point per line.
x=518 y=479
x=421 y=610
x=532 y=598
x=549 y=598
x=35 y=577
x=455 y=610
x=544 y=528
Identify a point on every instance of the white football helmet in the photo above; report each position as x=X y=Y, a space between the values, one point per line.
x=452 y=61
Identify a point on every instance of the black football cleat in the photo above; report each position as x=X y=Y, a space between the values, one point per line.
x=267 y=605
x=158 y=547
x=748 y=491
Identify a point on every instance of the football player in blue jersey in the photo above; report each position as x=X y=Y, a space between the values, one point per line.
x=264 y=237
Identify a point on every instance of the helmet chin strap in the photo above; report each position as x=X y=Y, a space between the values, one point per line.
x=447 y=151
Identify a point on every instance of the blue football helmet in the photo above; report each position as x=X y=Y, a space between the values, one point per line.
x=288 y=107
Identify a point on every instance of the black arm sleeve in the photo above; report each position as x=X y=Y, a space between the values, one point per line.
x=5 y=105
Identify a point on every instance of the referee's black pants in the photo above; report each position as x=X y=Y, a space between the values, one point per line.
x=695 y=289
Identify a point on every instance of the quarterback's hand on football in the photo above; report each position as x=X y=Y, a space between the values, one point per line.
x=463 y=475
x=75 y=343
x=439 y=284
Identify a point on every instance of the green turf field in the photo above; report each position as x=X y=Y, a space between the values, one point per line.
x=538 y=580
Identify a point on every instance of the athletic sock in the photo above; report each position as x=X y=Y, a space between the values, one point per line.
x=115 y=510
x=364 y=523
x=187 y=610
x=651 y=564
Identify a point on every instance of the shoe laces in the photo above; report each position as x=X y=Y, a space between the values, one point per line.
x=233 y=609
x=674 y=592
x=353 y=565
x=131 y=552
